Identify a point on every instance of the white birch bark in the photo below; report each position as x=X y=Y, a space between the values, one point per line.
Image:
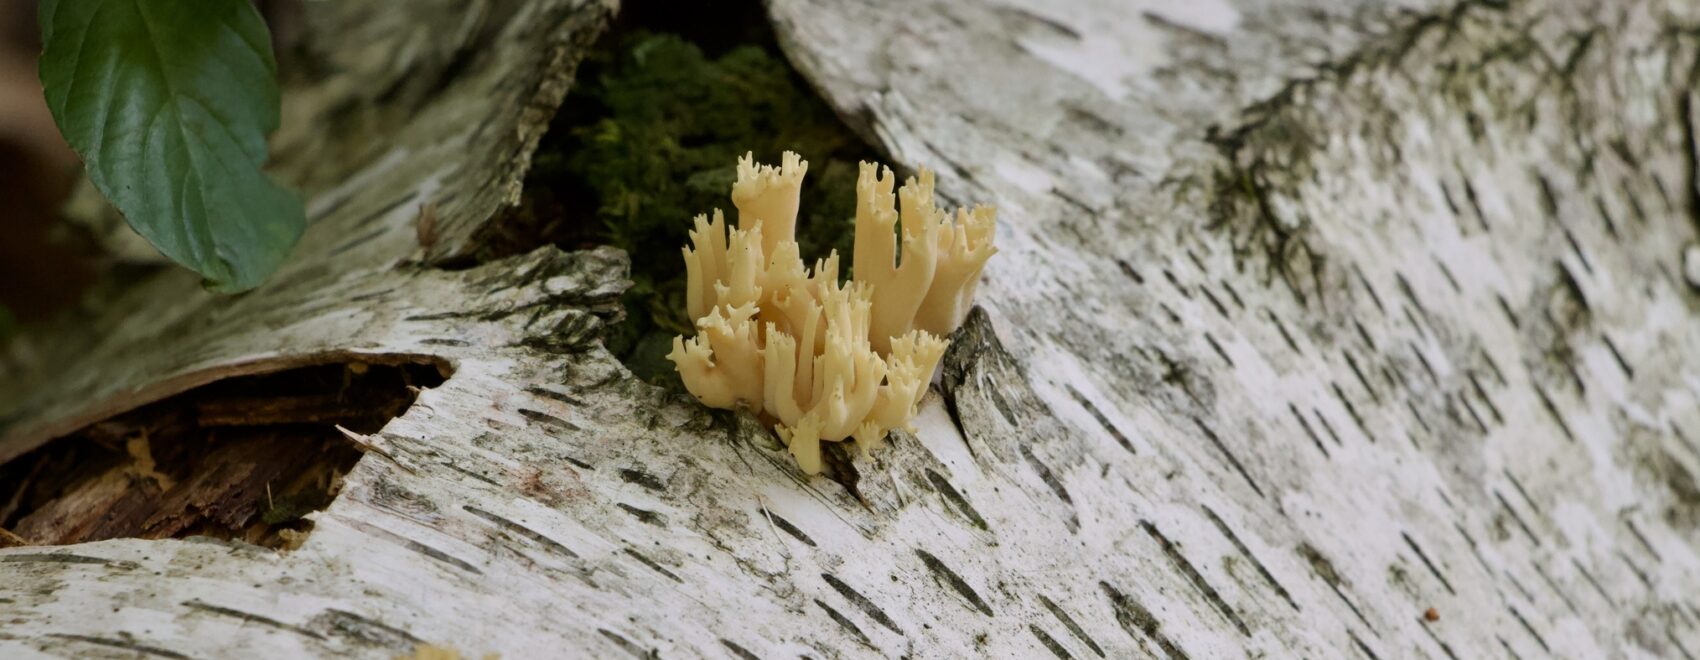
x=1310 y=317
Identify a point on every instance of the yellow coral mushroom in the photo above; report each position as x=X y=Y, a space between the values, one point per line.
x=817 y=358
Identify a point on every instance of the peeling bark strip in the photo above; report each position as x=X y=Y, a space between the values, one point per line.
x=1337 y=272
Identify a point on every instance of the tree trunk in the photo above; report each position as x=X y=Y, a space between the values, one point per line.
x=1318 y=330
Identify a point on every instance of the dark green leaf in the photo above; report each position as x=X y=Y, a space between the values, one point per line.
x=169 y=103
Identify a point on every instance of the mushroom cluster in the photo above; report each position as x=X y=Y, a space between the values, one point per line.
x=817 y=358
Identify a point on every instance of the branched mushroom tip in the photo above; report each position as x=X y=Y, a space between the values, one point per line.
x=817 y=358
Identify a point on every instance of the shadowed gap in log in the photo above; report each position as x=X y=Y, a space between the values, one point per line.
x=242 y=458
x=649 y=136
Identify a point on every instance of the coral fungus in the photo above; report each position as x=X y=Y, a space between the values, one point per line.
x=817 y=358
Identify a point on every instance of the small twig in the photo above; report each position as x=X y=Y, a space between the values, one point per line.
x=10 y=540
x=762 y=502
x=359 y=440
x=18 y=495
x=896 y=485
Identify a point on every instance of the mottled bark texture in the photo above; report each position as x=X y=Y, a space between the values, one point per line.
x=1319 y=330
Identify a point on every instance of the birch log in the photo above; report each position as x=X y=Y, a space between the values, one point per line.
x=1320 y=329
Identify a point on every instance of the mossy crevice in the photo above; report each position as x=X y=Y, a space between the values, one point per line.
x=650 y=136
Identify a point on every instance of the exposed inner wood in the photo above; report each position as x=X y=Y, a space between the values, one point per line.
x=241 y=458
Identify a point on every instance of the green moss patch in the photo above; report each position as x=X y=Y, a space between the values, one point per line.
x=650 y=137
